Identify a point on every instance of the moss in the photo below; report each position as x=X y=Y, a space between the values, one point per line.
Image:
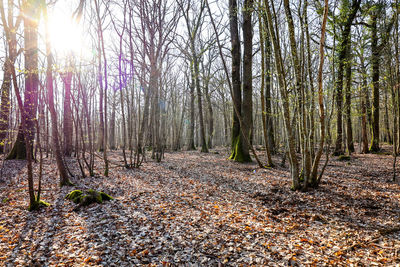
x=239 y=155
x=96 y=196
x=89 y=197
x=374 y=145
x=344 y=158
x=36 y=205
x=234 y=145
x=75 y=196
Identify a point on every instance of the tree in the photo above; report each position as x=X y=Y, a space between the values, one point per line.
x=103 y=87
x=67 y=120
x=193 y=27
x=64 y=177
x=238 y=153
x=10 y=28
x=375 y=12
x=346 y=17
x=32 y=80
x=247 y=103
x=309 y=176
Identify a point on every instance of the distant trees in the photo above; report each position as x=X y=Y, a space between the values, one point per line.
x=166 y=75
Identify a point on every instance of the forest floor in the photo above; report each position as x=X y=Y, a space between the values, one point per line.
x=202 y=209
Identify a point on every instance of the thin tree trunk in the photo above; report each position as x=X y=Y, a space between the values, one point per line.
x=349 y=130
x=191 y=145
x=68 y=132
x=64 y=177
x=263 y=78
x=294 y=164
x=199 y=102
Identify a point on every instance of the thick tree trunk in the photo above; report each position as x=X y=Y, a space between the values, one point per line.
x=343 y=47
x=375 y=83
x=31 y=83
x=237 y=150
x=10 y=29
x=247 y=103
x=5 y=105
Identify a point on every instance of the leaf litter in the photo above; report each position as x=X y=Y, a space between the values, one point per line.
x=201 y=209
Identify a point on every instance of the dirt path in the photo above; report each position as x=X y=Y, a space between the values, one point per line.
x=203 y=209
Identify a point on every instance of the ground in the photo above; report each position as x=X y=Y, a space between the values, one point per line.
x=202 y=209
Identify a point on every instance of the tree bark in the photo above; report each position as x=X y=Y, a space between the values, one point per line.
x=237 y=153
x=349 y=130
x=247 y=103
x=68 y=132
x=375 y=83
x=10 y=29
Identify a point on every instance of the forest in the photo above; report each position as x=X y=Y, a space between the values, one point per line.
x=199 y=133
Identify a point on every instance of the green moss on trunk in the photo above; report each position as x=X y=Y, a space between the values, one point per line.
x=38 y=204
x=237 y=151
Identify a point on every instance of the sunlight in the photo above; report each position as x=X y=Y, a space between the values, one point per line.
x=66 y=35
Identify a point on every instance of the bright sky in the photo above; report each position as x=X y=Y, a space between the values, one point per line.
x=66 y=35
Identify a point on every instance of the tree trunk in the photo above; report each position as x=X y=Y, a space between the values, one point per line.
x=111 y=139
x=294 y=164
x=237 y=150
x=303 y=137
x=349 y=130
x=68 y=132
x=375 y=83
x=191 y=145
x=343 y=47
x=210 y=117
x=31 y=83
x=263 y=39
x=247 y=103
x=5 y=104
x=64 y=177
x=199 y=102
x=103 y=90
x=10 y=29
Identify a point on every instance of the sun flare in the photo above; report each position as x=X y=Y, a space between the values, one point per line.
x=66 y=35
